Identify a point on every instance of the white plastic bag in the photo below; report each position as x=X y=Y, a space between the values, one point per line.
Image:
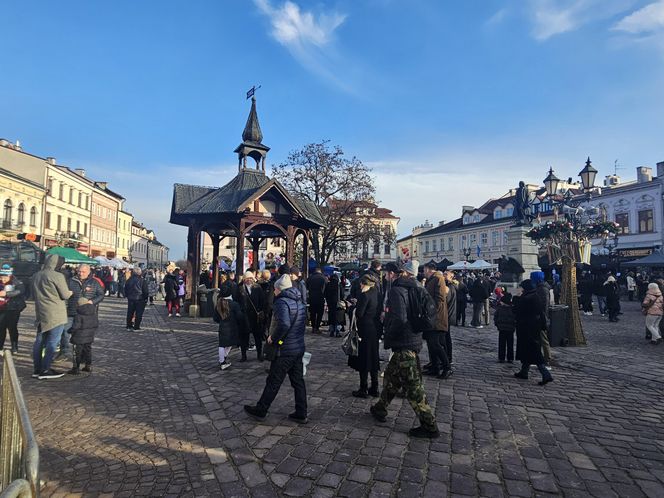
x=305 y=361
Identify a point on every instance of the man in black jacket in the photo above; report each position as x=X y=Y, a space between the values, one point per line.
x=403 y=370
x=478 y=294
x=316 y=290
x=136 y=290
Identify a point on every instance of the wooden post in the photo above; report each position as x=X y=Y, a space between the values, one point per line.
x=568 y=296
x=290 y=246
x=305 y=254
x=216 y=239
x=239 y=258
x=194 y=260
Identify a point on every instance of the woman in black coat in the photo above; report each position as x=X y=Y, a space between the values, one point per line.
x=612 y=298
x=232 y=323
x=530 y=321
x=367 y=359
x=332 y=298
x=83 y=333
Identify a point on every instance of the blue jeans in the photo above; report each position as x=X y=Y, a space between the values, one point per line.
x=64 y=340
x=46 y=342
x=601 y=302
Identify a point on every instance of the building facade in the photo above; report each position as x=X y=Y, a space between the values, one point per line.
x=124 y=235
x=104 y=220
x=409 y=247
x=138 y=251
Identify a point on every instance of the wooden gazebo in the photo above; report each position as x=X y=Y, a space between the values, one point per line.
x=250 y=207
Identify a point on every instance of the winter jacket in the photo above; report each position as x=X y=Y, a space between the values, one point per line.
x=653 y=303
x=612 y=293
x=503 y=318
x=231 y=328
x=15 y=298
x=478 y=292
x=368 y=357
x=90 y=289
x=171 y=287
x=136 y=289
x=50 y=291
x=289 y=319
x=530 y=321
x=543 y=291
x=316 y=287
x=398 y=331
x=437 y=288
x=153 y=288
x=253 y=304
x=85 y=325
x=451 y=304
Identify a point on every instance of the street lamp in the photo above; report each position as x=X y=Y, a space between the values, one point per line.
x=588 y=174
x=551 y=183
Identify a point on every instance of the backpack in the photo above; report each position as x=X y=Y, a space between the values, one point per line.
x=422 y=309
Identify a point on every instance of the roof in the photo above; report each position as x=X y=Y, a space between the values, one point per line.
x=197 y=200
x=14 y=176
x=252 y=130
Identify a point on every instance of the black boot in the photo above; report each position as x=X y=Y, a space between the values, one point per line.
x=14 y=347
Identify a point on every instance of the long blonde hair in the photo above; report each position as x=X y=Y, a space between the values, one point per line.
x=223 y=308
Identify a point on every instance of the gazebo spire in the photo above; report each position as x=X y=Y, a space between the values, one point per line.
x=252 y=130
x=252 y=142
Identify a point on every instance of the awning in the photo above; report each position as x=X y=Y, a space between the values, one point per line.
x=72 y=256
x=460 y=265
x=655 y=259
x=480 y=264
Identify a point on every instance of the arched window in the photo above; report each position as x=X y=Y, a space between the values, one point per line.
x=33 y=216
x=7 y=215
x=21 y=214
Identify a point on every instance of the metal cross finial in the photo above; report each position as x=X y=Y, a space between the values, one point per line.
x=252 y=91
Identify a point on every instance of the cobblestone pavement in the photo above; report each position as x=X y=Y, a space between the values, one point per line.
x=157 y=418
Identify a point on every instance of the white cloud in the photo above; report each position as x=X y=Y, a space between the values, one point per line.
x=645 y=20
x=309 y=38
x=554 y=17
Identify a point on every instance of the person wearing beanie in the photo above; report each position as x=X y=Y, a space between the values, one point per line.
x=287 y=337
x=612 y=294
x=12 y=302
x=653 y=308
x=503 y=318
x=530 y=320
x=252 y=300
x=402 y=336
x=232 y=324
x=83 y=332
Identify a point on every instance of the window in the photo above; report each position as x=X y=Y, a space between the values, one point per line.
x=434 y=245
x=509 y=212
x=21 y=214
x=71 y=196
x=59 y=223
x=645 y=221
x=450 y=243
x=48 y=219
x=497 y=214
x=623 y=220
x=473 y=240
x=376 y=247
x=78 y=226
x=484 y=238
x=463 y=241
x=87 y=199
x=80 y=199
x=69 y=224
x=50 y=187
x=476 y=218
x=388 y=249
x=494 y=238
x=7 y=215
x=426 y=246
x=61 y=194
x=33 y=216
x=466 y=220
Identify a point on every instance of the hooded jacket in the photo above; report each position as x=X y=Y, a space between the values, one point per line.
x=51 y=292
x=437 y=287
x=399 y=333
x=85 y=325
x=653 y=302
x=289 y=317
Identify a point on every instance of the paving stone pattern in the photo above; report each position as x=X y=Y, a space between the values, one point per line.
x=158 y=418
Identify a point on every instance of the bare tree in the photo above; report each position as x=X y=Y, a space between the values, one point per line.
x=341 y=187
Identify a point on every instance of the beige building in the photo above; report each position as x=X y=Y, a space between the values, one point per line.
x=124 y=235
x=22 y=196
x=104 y=220
x=409 y=247
x=67 y=216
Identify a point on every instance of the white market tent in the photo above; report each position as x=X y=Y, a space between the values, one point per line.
x=117 y=263
x=480 y=264
x=460 y=265
x=101 y=260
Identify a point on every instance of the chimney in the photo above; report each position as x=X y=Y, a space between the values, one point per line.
x=4 y=142
x=80 y=172
x=467 y=208
x=660 y=169
x=101 y=185
x=441 y=223
x=611 y=181
x=51 y=160
x=643 y=174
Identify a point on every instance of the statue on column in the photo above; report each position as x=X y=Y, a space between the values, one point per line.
x=522 y=212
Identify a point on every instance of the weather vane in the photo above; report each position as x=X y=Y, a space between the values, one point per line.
x=251 y=92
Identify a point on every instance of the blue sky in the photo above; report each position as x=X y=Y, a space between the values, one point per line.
x=451 y=102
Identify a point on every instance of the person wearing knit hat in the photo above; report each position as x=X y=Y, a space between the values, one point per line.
x=232 y=324
x=411 y=267
x=6 y=270
x=529 y=317
x=287 y=339
x=253 y=302
x=403 y=335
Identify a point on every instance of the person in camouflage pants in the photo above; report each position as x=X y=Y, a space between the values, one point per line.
x=403 y=372
x=402 y=336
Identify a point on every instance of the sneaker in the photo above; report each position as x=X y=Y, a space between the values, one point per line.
x=545 y=381
x=35 y=375
x=298 y=418
x=50 y=374
x=177 y=314
x=252 y=348
x=444 y=374
x=255 y=412
x=224 y=365
x=73 y=371
x=423 y=433
x=170 y=315
x=547 y=367
x=376 y=414
x=130 y=328
x=479 y=327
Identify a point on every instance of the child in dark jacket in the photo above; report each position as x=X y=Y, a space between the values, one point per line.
x=82 y=333
x=505 y=323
